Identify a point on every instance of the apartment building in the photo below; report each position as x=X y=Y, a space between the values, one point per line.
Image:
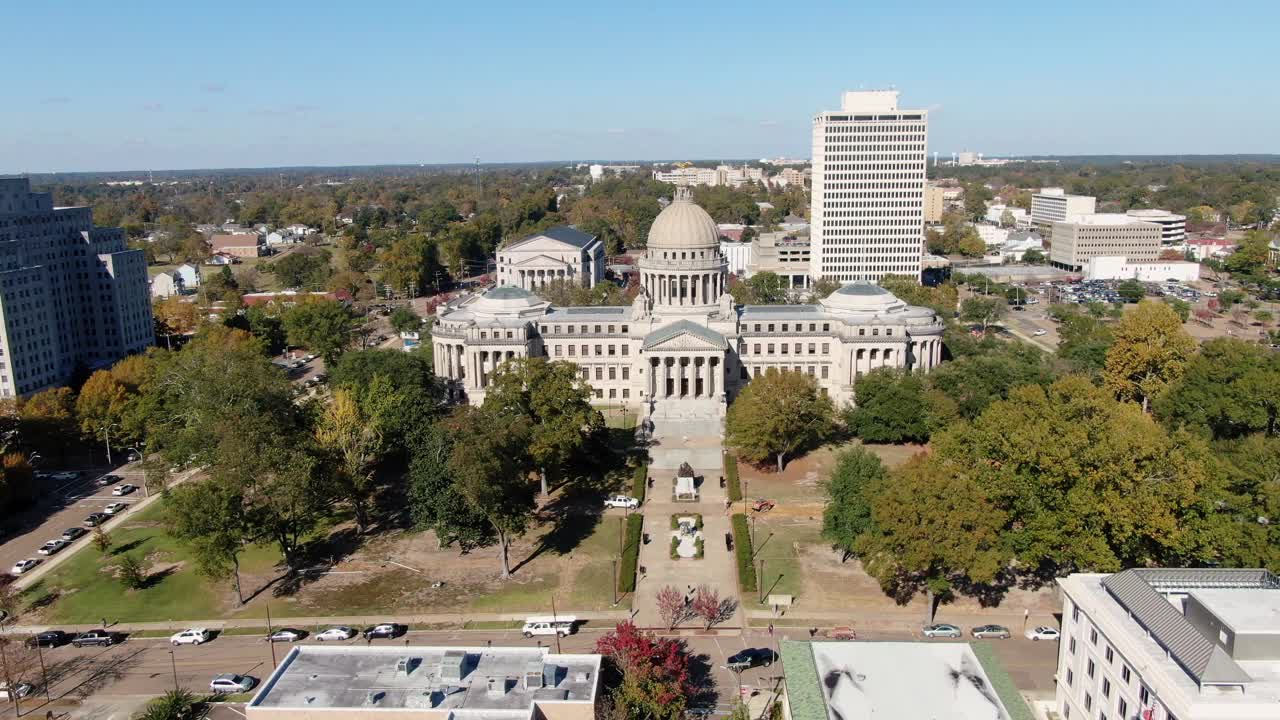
x=71 y=294
x=726 y=175
x=1169 y=644
x=867 y=201
x=1052 y=205
x=1083 y=237
x=1173 y=228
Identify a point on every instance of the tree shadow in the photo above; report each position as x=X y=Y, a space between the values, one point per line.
x=314 y=558
x=156 y=578
x=702 y=680
x=126 y=547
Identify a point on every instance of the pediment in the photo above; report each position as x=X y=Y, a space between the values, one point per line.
x=684 y=341
x=541 y=261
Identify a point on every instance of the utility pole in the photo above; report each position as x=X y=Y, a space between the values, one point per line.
x=273 y=645
x=173 y=662
x=44 y=674
x=553 y=622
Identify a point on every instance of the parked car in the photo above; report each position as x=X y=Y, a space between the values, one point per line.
x=20 y=690
x=48 y=639
x=286 y=635
x=24 y=565
x=990 y=631
x=132 y=456
x=308 y=358
x=621 y=501
x=115 y=508
x=384 y=630
x=562 y=625
x=52 y=546
x=194 y=636
x=1043 y=633
x=340 y=632
x=1040 y=333
x=941 y=630
x=65 y=475
x=96 y=638
x=226 y=683
x=71 y=533
x=96 y=519
x=728 y=542
x=106 y=480
x=124 y=489
x=749 y=658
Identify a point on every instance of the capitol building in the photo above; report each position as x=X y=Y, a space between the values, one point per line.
x=682 y=349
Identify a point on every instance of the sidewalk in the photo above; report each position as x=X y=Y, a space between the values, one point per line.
x=608 y=617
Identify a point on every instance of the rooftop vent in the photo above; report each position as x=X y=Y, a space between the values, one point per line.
x=373 y=697
x=582 y=676
x=497 y=686
x=406 y=665
x=533 y=677
x=453 y=666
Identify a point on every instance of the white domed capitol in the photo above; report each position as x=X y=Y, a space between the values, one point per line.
x=682 y=349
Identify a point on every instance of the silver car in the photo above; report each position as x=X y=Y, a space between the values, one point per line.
x=941 y=630
x=227 y=683
x=991 y=631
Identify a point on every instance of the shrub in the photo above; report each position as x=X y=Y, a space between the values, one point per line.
x=133 y=572
x=675 y=546
x=697 y=548
x=742 y=548
x=631 y=553
x=639 y=482
x=731 y=477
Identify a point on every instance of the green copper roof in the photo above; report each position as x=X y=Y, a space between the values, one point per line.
x=804 y=693
x=665 y=333
x=507 y=292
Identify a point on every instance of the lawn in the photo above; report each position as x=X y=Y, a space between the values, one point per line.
x=84 y=589
x=776 y=544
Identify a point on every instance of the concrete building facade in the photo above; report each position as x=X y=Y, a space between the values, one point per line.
x=1082 y=237
x=867 y=199
x=1169 y=644
x=1173 y=228
x=682 y=347
x=934 y=203
x=71 y=294
x=561 y=253
x=1052 y=205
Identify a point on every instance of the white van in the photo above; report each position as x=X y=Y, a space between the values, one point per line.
x=562 y=625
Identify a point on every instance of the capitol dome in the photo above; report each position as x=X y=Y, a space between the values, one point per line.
x=507 y=301
x=683 y=225
x=863 y=297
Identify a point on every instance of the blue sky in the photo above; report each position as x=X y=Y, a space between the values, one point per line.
x=151 y=85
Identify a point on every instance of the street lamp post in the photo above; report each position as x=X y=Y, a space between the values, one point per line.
x=173 y=662
x=615 y=582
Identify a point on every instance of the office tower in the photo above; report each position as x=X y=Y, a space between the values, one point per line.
x=867 y=210
x=71 y=294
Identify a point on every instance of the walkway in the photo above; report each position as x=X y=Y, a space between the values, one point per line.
x=693 y=437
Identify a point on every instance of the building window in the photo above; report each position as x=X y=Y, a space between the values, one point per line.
x=770 y=327
x=756 y=349
x=784 y=347
x=1124 y=674
x=612 y=393
x=626 y=394
x=570 y=350
x=1075 y=613
x=1093 y=636
x=613 y=375
x=785 y=327
x=1089 y=668
x=824 y=372
x=1071 y=645
x=612 y=348
x=812 y=348
x=1110 y=655
x=826 y=348
x=1071 y=677
x=610 y=329
x=557 y=351
x=1106 y=687
x=1123 y=709
x=826 y=327
x=599 y=350
x=1088 y=701
x=1144 y=696
x=626 y=373
x=626 y=350
x=599 y=394
x=770 y=348
x=862 y=331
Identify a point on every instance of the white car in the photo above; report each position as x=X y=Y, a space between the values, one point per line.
x=337 y=633
x=115 y=508
x=621 y=501
x=124 y=489
x=19 y=691
x=1043 y=633
x=1040 y=332
x=24 y=565
x=52 y=546
x=232 y=683
x=65 y=476
x=194 y=636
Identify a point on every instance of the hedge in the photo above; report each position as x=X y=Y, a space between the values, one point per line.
x=742 y=547
x=731 y=476
x=631 y=553
x=640 y=481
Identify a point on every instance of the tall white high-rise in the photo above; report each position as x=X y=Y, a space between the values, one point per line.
x=867 y=207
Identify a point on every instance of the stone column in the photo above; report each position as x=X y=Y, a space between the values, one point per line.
x=697 y=375
x=712 y=365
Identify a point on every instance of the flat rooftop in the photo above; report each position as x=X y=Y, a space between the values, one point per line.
x=499 y=682
x=1105 y=219
x=865 y=680
x=1245 y=611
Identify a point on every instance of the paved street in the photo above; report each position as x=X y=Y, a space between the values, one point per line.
x=118 y=679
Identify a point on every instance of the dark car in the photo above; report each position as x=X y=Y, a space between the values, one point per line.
x=728 y=541
x=48 y=639
x=95 y=637
x=72 y=533
x=96 y=519
x=384 y=630
x=749 y=658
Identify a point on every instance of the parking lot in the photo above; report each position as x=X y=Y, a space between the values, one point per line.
x=66 y=506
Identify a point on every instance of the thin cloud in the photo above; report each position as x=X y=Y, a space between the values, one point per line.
x=769 y=123
x=616 y=131
x=153 y=107
x=212 y=87
x=56 y=100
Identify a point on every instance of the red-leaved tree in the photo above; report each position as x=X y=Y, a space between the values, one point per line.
x=671 y=607
x=707 y=605
x=655 y=677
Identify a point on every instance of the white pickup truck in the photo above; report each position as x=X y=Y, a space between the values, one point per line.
x=562 y=625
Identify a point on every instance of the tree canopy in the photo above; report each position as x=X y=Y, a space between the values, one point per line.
x=1150 y=351
x=778 y=414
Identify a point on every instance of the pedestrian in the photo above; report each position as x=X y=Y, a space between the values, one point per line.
x=770 y=629
x=813 y=632
x=104 y=622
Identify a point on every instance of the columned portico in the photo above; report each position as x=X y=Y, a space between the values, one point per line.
x=676 y=376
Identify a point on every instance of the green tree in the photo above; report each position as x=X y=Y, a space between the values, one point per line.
x=404 y=319
x=933 y=530
x=1231 y=388
x=1007 y=220
x=554 y=401
x=175 y=704
x=133 y=571
x=488 y=461
x=890 y=407
x=1182 y=307
x=210 y=517
x=855 y=480
x=354 y=440
x=101 y=407
x=303 y=270
x=1034 y=257
x=1250 y=256
x=974 y=382
x=970 y=243
x=1083 y=342
x=777 y=415
x=1131 y=291
x=1084 y=482
x=324 y=326
x=411 y=399
x=823 y=288
x=984 y=311
x=1150 y=351
x=763 y=288
x=434 y=500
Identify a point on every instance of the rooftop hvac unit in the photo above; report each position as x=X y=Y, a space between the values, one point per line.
x=373 y=697
x=497 y=686
x=453 y=666
x=406 y=665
